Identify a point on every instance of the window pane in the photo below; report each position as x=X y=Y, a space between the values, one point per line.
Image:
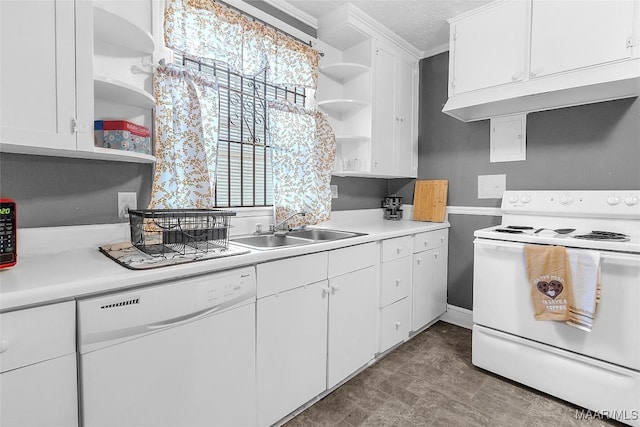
x=244 y=158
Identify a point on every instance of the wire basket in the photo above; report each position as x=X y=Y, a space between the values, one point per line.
x=161 y=232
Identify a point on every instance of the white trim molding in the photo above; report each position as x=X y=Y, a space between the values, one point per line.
x=473 y=210
x=458 y=316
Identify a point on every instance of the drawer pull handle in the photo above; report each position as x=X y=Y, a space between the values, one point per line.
x=398 y=282
x=398 y=250
x=4 y=346
x=436 y=254
x=426 y=243
x=325 y=291
x=397 y=325
x=335 y=288
x=442 y=240
x=418 y=261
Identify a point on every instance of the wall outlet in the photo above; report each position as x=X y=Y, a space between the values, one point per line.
x=126 y=201
x=334 y=191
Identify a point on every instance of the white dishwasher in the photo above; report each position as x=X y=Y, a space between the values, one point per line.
x=176 y=354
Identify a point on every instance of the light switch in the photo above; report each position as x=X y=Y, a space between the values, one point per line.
x=491 y=186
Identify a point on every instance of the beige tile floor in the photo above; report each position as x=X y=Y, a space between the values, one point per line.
x=430 y=381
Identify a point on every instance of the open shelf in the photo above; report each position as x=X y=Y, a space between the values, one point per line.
x=120 y=92
x=339 y=106
x=121 y=156
x=114 y=29
x=344 y=71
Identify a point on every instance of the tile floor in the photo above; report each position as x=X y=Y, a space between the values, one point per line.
x=430 y=381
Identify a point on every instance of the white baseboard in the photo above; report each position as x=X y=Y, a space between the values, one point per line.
x=458 y=316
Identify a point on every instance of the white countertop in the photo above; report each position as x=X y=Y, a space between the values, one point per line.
x=64 y=263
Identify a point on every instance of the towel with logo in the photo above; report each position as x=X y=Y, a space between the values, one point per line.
x=549 y=277
x=585 y=285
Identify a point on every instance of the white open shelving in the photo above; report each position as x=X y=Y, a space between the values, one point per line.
x=119 y=45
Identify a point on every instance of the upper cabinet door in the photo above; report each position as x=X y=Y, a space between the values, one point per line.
x=384 y=109
x=489 y=47
x=406 y=100
x=37 y=80
x=567 y=35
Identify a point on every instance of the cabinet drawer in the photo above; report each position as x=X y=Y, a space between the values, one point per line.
x=37 y=334
x=353 y=258
x=394 y=324
x=285 y=274
x=430 y=239
x=396 y=248
x=396 y=280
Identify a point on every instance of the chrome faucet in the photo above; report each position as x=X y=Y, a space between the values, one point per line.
x=282 y=226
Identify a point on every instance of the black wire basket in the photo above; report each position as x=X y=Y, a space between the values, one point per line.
x=161 y=232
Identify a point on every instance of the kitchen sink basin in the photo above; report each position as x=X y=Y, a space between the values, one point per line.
x=269 y=241
x=292 y=238
x=320 y=235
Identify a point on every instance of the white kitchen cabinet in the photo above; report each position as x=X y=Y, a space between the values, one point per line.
x=394 y=138
x=565 y=37
x=292 y=306
x=37 y=51
x=488 y=46
x=291 y=349
x=520 y=56
x=430 y=258
x=352 y=323
x=377 y=137
x=316 y=325
x=38 y=382
x=395 y=291
x=47 y=80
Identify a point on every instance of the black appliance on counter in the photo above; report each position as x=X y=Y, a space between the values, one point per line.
x=392 y=206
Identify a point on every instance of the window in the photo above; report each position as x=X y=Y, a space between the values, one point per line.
x=244 y=160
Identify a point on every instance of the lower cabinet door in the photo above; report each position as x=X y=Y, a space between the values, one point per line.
x=352 y=323
x=291 y=349
x=394 y=324
x=42 y=394
x=429 y=286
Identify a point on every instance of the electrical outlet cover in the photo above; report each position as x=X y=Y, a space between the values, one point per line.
x=126 y=200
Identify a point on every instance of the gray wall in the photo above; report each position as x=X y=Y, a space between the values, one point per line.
x=590 y=147
x=56 y=191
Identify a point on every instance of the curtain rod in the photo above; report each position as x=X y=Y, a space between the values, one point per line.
x=242 y=12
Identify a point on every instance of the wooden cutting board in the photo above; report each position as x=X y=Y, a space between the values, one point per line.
x=430 y=200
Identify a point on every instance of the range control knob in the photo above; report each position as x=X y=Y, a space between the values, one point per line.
x=566 y=199
x=525 y=199
x=613 y=200
x=630 y=200
x=513 y=198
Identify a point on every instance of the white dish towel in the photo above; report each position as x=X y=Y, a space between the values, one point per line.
x=585 y=280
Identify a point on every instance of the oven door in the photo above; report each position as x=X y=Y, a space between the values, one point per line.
x=501 y=301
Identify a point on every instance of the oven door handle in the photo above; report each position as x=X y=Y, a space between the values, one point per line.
x=619 y=257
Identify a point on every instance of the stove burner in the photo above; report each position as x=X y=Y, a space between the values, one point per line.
x=605 y=236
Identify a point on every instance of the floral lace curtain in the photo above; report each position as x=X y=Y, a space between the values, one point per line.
x=186 y=139
x=303 y=150
x=207 y=30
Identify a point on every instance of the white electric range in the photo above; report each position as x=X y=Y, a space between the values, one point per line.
x=598 y=369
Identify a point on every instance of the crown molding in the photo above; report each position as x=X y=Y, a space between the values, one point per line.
x=294 y=12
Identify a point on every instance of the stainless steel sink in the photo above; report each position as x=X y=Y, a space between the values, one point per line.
x=321 y=235
x=269 y=241
x=293 y=238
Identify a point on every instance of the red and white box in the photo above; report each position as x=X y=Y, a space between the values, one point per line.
x=122 y=135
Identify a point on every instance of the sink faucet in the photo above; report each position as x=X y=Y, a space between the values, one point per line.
x=282 y=226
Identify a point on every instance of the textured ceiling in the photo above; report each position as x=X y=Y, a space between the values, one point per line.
x=422 y=23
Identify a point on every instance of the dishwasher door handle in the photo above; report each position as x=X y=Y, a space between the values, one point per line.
x=181 y=320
